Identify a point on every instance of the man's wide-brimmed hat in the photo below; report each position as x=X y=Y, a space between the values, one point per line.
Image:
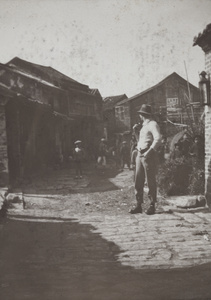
x=78 y=142
x=145 y=110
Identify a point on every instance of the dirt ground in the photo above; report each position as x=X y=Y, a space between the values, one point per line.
x=107 y=191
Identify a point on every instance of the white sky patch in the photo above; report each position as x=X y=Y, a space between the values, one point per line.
x=117 y=46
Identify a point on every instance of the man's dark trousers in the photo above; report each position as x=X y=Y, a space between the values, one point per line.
x=146 y=168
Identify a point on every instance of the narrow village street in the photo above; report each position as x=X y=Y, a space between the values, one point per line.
x=76 y=240
x=105 y=105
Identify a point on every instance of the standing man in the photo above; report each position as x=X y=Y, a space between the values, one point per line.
x=149 y=139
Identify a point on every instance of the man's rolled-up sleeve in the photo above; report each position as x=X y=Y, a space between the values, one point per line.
x=155 y=130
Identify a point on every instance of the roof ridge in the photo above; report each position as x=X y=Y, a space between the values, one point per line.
x=152 y=87
x=41 y=68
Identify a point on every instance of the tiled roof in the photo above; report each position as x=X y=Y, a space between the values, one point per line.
x=7 y=92
x=111 y=101
x=95 y=92
x=46 y=73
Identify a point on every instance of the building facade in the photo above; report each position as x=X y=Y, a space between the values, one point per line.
x=173 y=101
x=203 y=40
x=111 y=121
x=42 y=113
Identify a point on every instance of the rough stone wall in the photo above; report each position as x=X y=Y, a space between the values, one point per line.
x=3 y=148
x=208 y=137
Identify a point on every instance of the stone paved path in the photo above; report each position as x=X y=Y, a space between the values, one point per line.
x=67 y=259
x=84 y=245
x=164 y=240
x=158 y=241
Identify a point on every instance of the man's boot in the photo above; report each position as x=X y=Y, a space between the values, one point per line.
x=137 y=209
x=151 y=209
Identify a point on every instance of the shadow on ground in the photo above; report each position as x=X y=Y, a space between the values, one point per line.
x=63 y=181
x=99 y=181
x=66 y=260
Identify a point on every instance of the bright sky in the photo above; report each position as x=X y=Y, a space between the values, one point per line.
x=117 y=46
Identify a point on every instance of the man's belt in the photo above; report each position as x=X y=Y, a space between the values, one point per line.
x=142 y=151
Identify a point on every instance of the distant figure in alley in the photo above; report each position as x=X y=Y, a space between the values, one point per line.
x=102 y=152
x=78 y=156
x=149 y=139
x=125 y=155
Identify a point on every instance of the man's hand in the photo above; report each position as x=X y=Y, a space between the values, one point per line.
x=148 y=153
x=137 y=126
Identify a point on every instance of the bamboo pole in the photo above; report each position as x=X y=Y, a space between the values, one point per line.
x=189 y=98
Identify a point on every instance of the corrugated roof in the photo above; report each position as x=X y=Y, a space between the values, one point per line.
x=151 y=88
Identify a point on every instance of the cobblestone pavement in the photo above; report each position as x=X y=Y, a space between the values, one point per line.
x=164 y=240
x=67 y=260
x=84 y=245
x=159 y=241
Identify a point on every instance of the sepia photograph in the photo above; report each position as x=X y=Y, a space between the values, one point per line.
x=105 y=150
